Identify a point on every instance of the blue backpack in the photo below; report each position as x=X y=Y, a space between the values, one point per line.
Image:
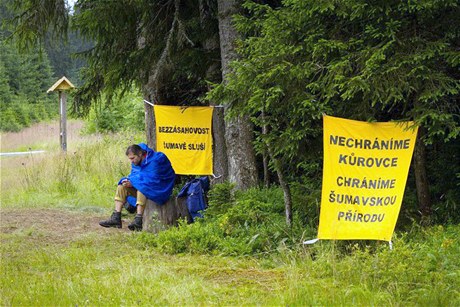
x=195 y=192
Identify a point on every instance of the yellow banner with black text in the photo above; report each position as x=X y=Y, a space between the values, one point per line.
x=364 y=176
x=184 y=135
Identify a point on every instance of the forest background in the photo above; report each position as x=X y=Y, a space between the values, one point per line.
x=287 y=64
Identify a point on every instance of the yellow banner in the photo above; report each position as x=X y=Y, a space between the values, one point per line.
x=364 y=177
x=185 y=136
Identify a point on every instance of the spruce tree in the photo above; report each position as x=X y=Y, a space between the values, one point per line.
x=376 y=61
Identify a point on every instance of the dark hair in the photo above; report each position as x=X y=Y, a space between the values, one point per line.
x=135 y=149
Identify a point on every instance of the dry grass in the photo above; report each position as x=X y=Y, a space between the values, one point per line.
x=39 y=136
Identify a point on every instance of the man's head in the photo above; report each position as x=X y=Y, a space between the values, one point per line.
x=135 y=154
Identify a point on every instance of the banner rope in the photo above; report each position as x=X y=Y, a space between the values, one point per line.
x=150 y=103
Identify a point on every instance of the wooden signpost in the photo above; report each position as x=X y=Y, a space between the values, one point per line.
x=61 y=86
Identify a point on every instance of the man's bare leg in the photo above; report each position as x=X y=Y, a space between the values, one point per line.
x=118 y=205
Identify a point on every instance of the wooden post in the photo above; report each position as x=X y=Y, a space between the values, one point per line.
x=63 y=121
x=61 y=86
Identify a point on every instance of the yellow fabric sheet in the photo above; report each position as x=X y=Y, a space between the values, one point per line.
x=364 y=177
x=185 y=136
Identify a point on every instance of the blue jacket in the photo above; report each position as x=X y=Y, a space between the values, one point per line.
x=154 y=177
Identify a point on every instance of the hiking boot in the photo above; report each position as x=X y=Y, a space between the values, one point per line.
x=136 y=225
x=113 y=221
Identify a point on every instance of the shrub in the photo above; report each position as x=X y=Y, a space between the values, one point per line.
x=121 y=113
x=8 y=121
x=235 y=223
x=20 y=113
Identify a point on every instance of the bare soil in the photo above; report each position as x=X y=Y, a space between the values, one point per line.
x=55 y=226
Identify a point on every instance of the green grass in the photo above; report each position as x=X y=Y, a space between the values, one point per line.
x=115 y=270
x=47 y=266
x=84 y=177
x=92 y=271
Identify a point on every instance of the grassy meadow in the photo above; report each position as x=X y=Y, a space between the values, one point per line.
x=53 y=252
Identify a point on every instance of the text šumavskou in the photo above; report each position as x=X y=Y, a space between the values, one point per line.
x=347 y=199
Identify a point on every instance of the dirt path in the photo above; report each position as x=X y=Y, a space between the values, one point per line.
x=54 y=226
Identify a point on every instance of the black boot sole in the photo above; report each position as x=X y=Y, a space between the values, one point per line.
x=134 y=228
x=110 y=226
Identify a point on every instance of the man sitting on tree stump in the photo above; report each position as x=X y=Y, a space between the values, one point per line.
x=152 y=177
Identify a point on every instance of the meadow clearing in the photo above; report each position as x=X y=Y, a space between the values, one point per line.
x=54 y=253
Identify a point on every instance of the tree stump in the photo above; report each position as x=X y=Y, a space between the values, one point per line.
x=160 y=217
x=182 y=210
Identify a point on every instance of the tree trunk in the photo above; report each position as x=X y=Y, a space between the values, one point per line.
x=220 y=161
x=284 y=185
x=210 y=41
x=150 y=126
x=213 y=74
x=264 y=155
x=151 y=93
x=287 y=197
x=421 y=178
x=159 y=217
x=238 y=131
x=148 y=93
x=266 y=171
x=279 y=171
x=241 y=158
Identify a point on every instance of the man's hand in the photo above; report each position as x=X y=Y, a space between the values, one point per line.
x=127 y=183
